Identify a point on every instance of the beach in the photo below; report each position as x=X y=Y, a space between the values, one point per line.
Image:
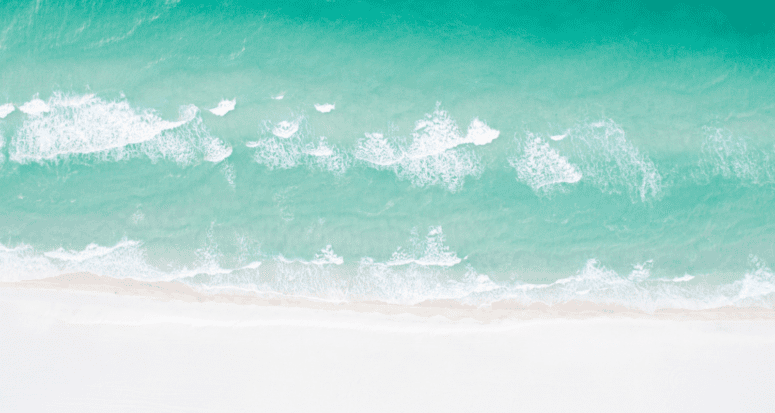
x=91 y=344
x=398 y=206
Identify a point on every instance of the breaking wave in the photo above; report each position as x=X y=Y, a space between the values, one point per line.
x=85 y=126
x=540 y=166
x=597 y=153
x=428 y=271
x=6 y=109
x=732 y=157
x=435 y=156
x=283 y=146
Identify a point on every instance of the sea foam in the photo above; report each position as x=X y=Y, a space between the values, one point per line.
x=436 y=154
x=325 y=107
x=35 y=107
x=540 y=166
x=284 y=146
x=78 y=126
x=224 y=107
x=611 y=163
x=429 y=252
x=426 y=270
x=733 y=157
x=6 y=109
x=595 y=152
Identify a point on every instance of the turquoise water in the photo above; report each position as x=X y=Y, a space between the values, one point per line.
x=616 y=153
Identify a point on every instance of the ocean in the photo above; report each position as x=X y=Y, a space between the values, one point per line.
x=542 y=152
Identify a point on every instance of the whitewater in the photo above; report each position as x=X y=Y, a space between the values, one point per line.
x=614 y=168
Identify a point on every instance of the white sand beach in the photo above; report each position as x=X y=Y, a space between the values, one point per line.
x=84 y=343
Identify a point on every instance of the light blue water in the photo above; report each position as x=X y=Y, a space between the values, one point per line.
x=397 y=152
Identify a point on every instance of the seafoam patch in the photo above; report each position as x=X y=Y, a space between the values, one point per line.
x=35 y=107
x=428 y=252
x=286 y=145
x=224 y=107
x=325 y=107
x=734 y=157
x=594 y=152
x=88 y=126
x=6 y=109
x=435 y=155
x=540 y=166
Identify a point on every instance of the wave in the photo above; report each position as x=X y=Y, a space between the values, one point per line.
x=732 y=157
x=125 y=259
x=434 y=156
x=6 y=109
x=325 y=107
x=224 y=107
x=73 y=126
x=429 y=271
x=611 y=163
x=598 y=284
x=326 y=256
x=593 y=152
x=430 y=252
x=35 y=107
x=282 y=146
x=540 y=166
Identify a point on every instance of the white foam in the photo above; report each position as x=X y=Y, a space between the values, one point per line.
x=731 y=157
x=600 y=153
x=540 y=165
x=321 y=150
x=216 y=151
x=280 y=152
x=228 y=172
x=112 y=130
x=285 y=129
x=6 y=109
x=433 y=157
x=378 y=150
x=642 y=271
x=35 y=107
x=327 y=157
x=251 y=266
x=685 y=278
x=481 y=134
x=325 y=107
x=277 y=153
x=125 y=259
x=426 y=270
x=327 y=256
x=90 y=252
x=279 y=97
x=224 y=107
x=431 y=252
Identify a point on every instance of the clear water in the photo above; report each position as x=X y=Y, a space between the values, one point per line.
x=393 y=151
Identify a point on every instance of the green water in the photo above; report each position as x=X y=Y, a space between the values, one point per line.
x=611 y=152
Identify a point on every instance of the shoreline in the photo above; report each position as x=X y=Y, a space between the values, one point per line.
x=449 y=309
x=91 y=343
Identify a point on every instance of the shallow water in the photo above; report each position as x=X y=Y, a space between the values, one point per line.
x=399 y=152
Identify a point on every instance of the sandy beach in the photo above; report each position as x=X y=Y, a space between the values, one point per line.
x=91 y=343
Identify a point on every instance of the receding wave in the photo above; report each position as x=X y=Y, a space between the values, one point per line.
x=86 y=126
